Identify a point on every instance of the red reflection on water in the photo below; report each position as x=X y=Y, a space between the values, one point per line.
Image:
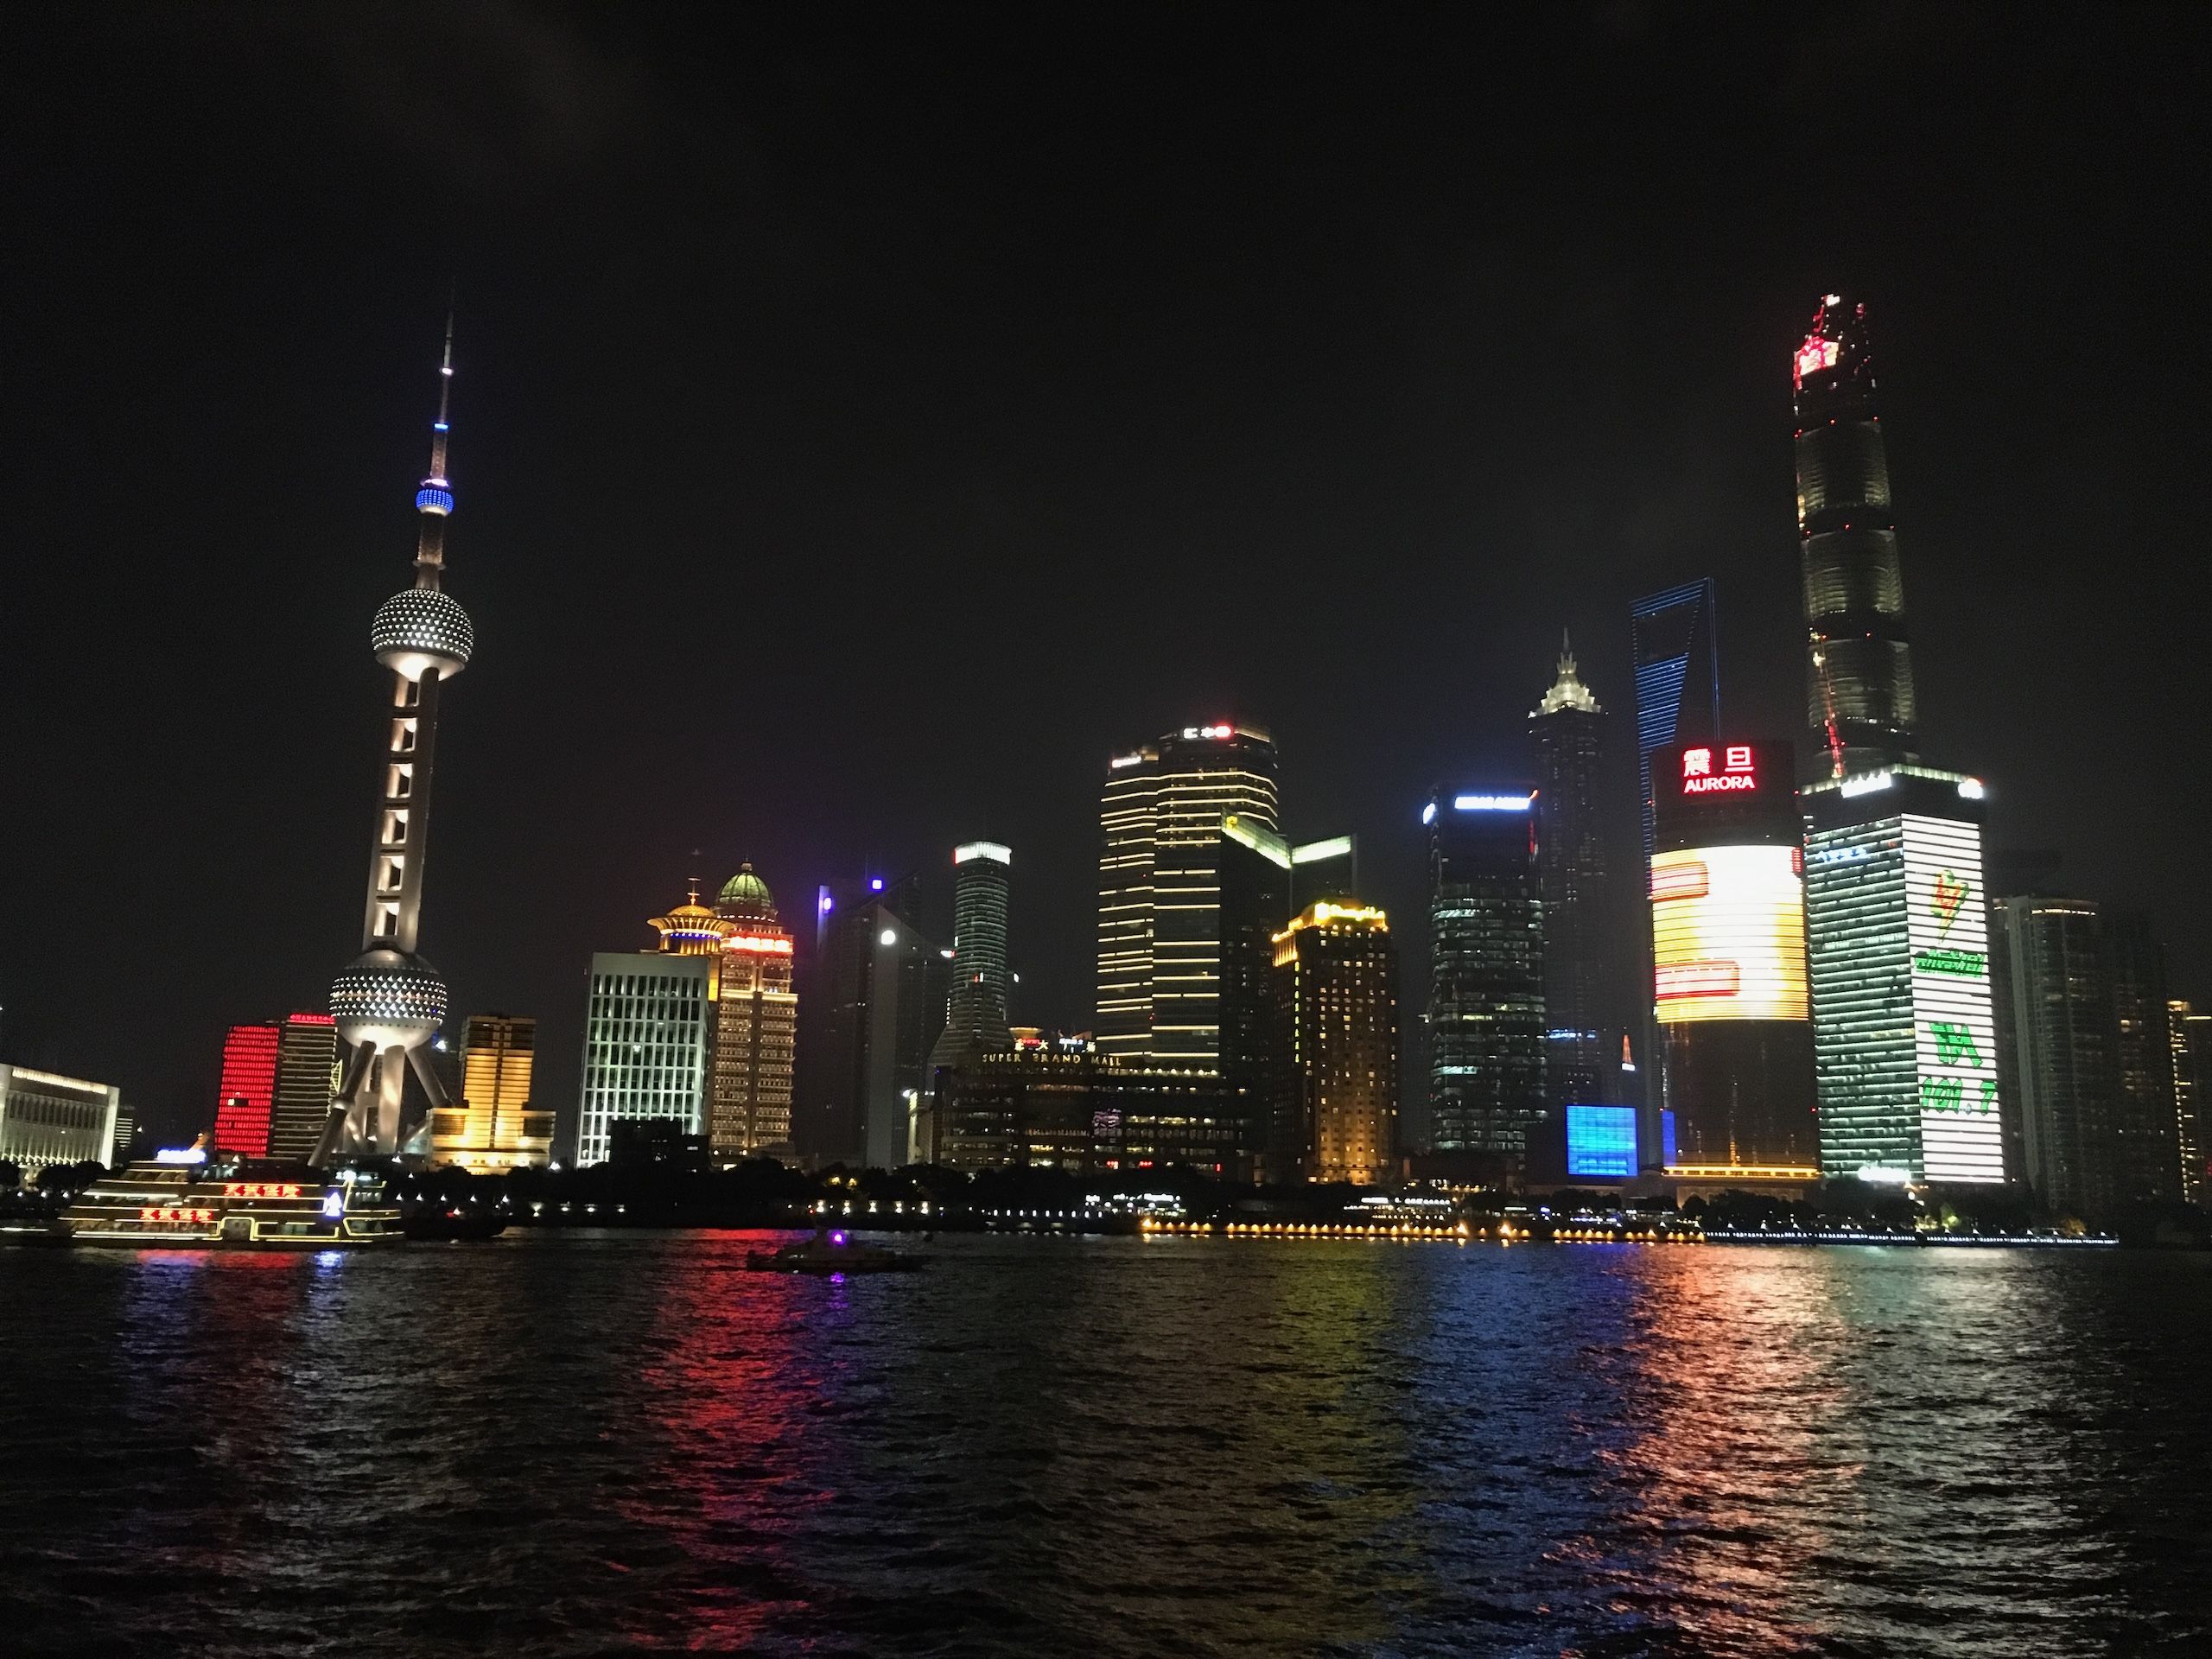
x=739 y=1362
x=1731 y=1389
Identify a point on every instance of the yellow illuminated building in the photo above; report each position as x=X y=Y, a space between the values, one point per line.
x=493 y=1127
x=1336 y=980
x=756 y=1026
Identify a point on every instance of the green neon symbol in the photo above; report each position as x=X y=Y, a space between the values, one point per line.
x=1955 y=1045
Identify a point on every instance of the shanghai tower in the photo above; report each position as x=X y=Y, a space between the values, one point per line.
x=388 y=1002
x=1859 y=693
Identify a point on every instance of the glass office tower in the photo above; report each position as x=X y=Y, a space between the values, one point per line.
x=1486 y=978
x=1161 y=922
x=1565 y=731
x=1675 y=638
x=1859 y=694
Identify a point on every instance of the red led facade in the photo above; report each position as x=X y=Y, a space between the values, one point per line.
x=247 y=1098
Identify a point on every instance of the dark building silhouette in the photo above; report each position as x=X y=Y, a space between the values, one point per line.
x=2147 y=1141
x=1674 y=635
x=1580 y=1042
x=1486 y=979
x=1859 y=692
x=2055 y=1045
x=880 y=988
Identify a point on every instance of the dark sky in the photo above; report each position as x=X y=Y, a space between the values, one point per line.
x=866 y=423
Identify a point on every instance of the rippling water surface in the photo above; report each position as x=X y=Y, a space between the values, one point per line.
x=578 y=1443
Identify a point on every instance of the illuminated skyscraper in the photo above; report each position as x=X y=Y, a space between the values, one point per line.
x=388 y=1003
x=1565 y=730
x=490 y=1124
x=975 y=1022
x=1729 y=975
x=1486 y=978
x=306 y=1068
x=649 y=1031
x=1903 y=1023
x=1336 y=984
x=1161 y=921
x=245 y=1099
x=756 y=1027
x=2189 y=1034
x=1675 y=635
x=1859 y=693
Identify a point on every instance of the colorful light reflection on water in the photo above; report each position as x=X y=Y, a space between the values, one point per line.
x=562 y=1443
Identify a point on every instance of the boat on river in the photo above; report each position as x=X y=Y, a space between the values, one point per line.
x=233 y=1204
x=830 y=1253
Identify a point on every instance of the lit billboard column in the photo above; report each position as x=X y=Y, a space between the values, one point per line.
x=1729 y=983
x=1903 y=1029
x=1954 y=1036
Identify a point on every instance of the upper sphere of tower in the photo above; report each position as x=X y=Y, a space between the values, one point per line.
x=422 y=628
x=745 y=898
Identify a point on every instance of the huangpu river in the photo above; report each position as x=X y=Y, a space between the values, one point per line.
x=580 y=1443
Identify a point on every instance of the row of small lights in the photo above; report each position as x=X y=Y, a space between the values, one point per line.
x=1507 y=1232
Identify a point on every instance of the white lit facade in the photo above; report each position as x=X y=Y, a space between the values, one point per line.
x=1897 y=923
x=648 y=1038
x=45 y=1119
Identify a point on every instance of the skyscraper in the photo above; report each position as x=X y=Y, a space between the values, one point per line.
x=246 y=1099
x=1486 y=978
x=388 y=1002
x=1160 y=927
x=1336 y=976
x=1729 y=973
x=975 y=1022
x=307 y=1069
x=1676 y=637
x=1565 y=730
x=2147 y=1155
x=756 y=1027
x=1902 y=1022
x=2058 y=1061
x=2188 y=1036
x=1858 y=693
x=882 y=988
x=649 y=1031
x=491 y=1125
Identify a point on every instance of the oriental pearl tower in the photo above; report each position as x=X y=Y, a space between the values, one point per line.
x=388 y=1002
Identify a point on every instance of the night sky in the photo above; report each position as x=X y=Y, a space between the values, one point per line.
x=866 y=424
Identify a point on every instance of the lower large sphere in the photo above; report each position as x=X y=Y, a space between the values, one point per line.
x=388 y=998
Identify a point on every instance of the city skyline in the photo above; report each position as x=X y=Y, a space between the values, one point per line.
x=1469 y=458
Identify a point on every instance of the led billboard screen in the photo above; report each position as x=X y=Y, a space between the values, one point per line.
x=1601 y=1142
x=1728 y=933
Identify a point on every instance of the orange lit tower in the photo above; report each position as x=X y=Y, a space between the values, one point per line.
x=388 y=1002
x=756 y=1026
